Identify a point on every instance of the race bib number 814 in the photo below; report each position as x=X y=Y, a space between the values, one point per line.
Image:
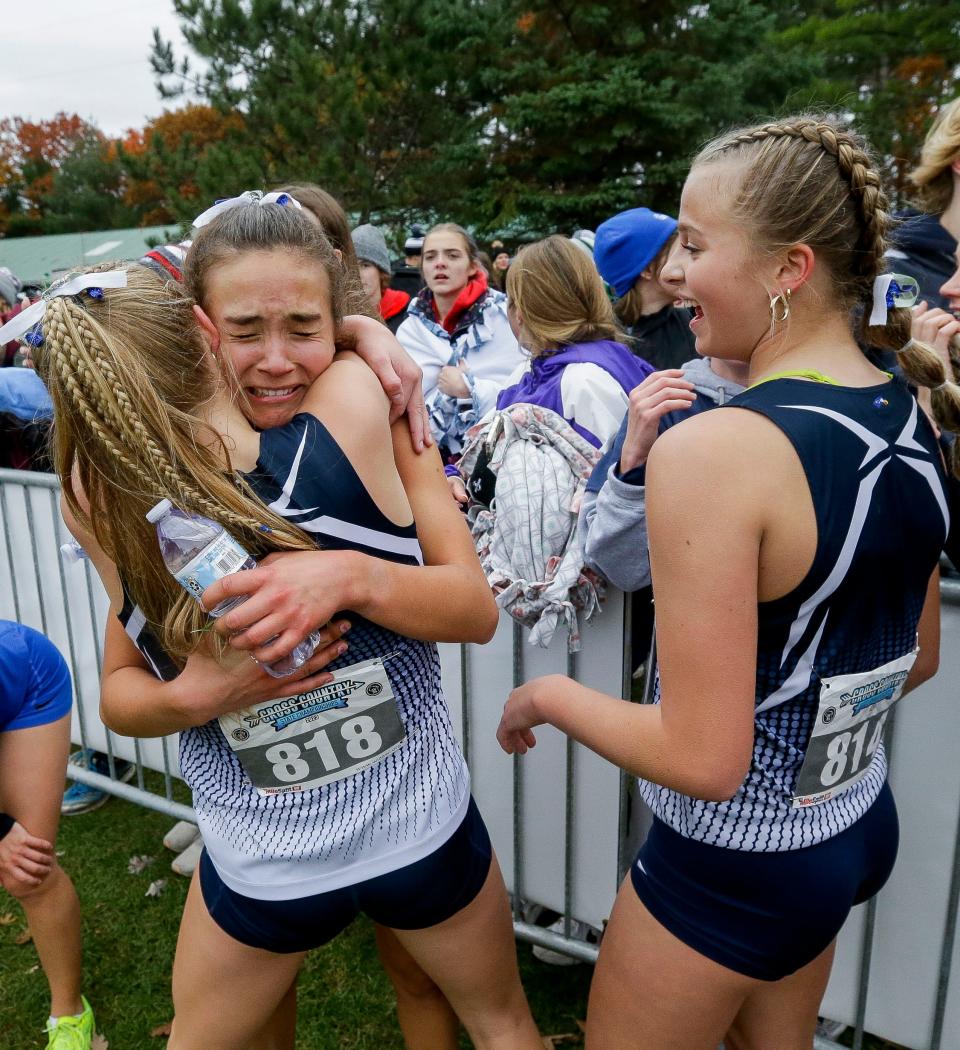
x=848 y=729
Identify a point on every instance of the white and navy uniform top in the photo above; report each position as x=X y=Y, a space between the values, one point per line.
x=384 y=817
x=877 y=483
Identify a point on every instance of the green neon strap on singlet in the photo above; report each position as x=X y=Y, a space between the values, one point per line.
x=798 y=373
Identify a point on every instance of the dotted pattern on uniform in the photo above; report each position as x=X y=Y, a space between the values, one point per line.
x=415 y=789
x=868 y=619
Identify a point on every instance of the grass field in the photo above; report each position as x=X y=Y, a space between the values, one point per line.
x=345 y=999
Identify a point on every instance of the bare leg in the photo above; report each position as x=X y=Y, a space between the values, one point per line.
x=472 y=957
x=32 y=766
x=651 y=991
x=427 y=1020
x=225 y=994
x=280 y=1032
x=783 y=1013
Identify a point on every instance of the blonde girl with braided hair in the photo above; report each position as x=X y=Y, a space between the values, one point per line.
x=349 y=793
x=794 y=540
x=924 y=239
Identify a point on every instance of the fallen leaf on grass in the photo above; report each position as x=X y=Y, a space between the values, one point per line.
x=162 y=1030
x=98 y=1042
x=156 y=888
x=136 y=864
x=7 y=919
x=23 y=937
x=552 y=1041
x=34 y=968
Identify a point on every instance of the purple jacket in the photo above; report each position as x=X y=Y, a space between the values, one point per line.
x=541 y=385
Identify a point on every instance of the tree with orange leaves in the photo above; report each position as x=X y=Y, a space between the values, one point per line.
x=30 y=155
x=169 y=162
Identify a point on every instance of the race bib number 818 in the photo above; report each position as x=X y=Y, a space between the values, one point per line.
x=317 y=737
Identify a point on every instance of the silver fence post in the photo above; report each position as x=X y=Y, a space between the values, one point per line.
x=55 y=518
x=946 y=950
x=568 y=818
x=31 y=528
x=6 y=535
x=626 y=691
x=517 y=783
x=111 y=762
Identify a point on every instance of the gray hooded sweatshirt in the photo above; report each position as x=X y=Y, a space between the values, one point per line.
x=613 y=521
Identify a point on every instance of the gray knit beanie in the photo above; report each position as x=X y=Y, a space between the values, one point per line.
x=371 y=247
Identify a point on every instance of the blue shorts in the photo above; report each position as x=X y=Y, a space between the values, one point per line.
x=415 y=897
x=765 y=915
x=34 y=679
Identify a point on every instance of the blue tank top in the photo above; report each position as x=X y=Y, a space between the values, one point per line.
x=392 y=813
x=877 y=483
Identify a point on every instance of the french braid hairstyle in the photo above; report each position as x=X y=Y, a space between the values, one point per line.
x=810 y=180
x=127 y=374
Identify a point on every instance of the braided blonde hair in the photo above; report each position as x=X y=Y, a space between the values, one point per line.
x=127 y=374
x=932 y=176
x=809 y=180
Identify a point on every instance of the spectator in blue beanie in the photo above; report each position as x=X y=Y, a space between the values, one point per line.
x=630 y=249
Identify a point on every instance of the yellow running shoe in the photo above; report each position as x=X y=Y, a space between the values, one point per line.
x=72 y=1033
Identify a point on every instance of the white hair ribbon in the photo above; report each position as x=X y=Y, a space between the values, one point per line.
x=247 y=197
x=27 y=319
x=892 y=290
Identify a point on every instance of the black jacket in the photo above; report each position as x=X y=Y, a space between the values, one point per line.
x=664 y=338
x=406 y=279
x=921 y=248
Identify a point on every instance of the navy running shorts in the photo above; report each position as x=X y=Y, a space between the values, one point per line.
x=415 y=897
x=34 y=679
x=765 y=915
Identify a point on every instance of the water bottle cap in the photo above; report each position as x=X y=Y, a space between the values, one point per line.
x=154 y=514
x=72 y=552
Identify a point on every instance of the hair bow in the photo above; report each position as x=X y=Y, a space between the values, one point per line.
x=892 y=290
x=247 y=197
x=27 y=322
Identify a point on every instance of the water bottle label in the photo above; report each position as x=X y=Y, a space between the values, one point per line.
x=215 y=561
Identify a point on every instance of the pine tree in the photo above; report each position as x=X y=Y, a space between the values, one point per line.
x=603 y=104
x=888 y=65
x=368 y=98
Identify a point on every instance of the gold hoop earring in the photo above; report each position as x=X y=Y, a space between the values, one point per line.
x=779 y=307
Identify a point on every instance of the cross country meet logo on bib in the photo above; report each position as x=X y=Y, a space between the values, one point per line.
x=290 y=709
x=871 y=693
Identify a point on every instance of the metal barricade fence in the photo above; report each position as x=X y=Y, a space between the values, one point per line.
x=68 y=604
x=555 y=817
x=558 y=816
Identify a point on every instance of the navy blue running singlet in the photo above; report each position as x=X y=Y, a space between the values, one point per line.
x=381 y=818
x=877 y=483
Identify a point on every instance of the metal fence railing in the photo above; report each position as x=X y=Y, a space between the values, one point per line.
x=559 y=816
x=543 y=812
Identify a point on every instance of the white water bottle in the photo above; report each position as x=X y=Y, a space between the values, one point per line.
x=198 y=552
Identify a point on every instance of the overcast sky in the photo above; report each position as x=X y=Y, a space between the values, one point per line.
x=84 y=56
